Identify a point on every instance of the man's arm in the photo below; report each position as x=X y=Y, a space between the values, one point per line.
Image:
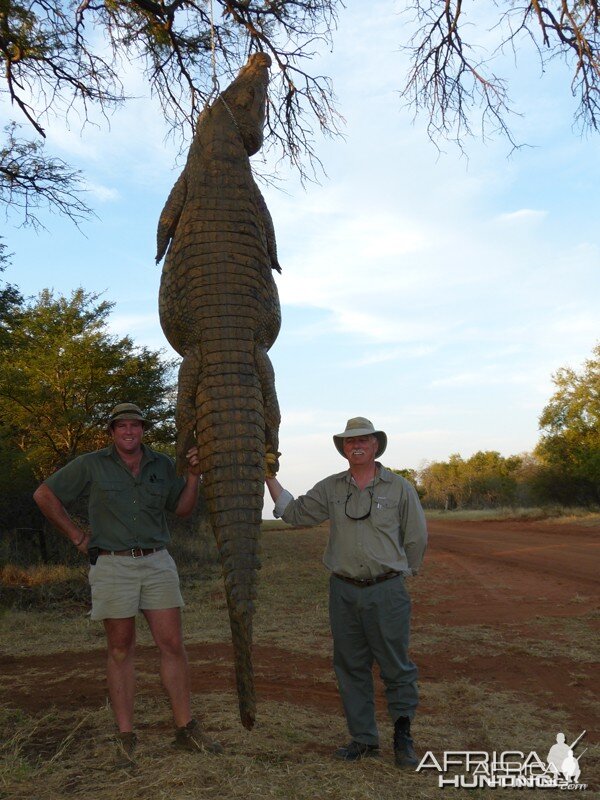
x=309 y=509
x=55 y=512
x=280 y=496
x=414 y=527
x=189 y=494
x=274 y=487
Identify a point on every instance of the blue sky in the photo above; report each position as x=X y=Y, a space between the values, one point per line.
x=432 y=293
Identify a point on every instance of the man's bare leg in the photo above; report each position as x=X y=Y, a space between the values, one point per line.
x=165 y=626
x=120 y=636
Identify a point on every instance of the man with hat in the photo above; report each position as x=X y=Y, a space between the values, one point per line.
x=130 y=486
x=377 y=537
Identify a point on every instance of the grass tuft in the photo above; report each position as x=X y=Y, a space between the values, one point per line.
x=558 y=515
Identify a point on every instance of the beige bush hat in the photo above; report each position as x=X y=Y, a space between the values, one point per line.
x=127 y=411
x=360 y=426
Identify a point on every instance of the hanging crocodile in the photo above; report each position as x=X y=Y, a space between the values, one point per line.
x=219 y=309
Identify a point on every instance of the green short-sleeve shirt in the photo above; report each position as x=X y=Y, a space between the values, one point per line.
x=124 y=511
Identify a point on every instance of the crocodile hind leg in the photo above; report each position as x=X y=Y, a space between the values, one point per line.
x=185 y=415
x=266 y=376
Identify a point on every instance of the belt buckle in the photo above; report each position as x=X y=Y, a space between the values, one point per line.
x=137 y=552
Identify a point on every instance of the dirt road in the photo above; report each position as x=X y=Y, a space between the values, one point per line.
x=512 y=570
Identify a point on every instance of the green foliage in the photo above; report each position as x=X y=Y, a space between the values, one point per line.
x=484 y=480
x=61 y=372
x=412 y=476
x=570 y=443
x=10 y=302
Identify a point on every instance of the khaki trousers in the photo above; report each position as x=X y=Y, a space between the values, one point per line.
x=368 y=624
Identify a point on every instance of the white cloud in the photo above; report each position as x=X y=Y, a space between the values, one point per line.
x=486 y=376
x=580 y=322
x=104 y=194
x=393 y=354
x=523 y=215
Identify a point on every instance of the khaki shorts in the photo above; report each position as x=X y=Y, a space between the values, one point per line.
x=122 y=585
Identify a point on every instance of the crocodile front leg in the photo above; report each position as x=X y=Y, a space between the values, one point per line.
x=269 y=229
x=185 y=414
x=266 y=376
x=170 y=215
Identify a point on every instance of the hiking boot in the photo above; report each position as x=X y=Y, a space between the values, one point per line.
x=191 y=738
x=404 y=752
x=126 y=744
x=356 y=750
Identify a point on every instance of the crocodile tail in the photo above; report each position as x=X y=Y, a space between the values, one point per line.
x=241 y=636
x=231 y=442
x=238 y=548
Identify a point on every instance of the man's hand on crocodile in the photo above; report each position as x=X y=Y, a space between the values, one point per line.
x=271 y=463
x=193 y=461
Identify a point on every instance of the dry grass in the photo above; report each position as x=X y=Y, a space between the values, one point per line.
x=575 y=640
x=558 y=514
x=66 y=754
x=287 y=755
x=38 y=575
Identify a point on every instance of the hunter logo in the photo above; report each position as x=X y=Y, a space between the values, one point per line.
x=476 y=769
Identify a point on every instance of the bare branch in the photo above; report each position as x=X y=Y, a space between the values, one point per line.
x=448 y=81
x=29 y=180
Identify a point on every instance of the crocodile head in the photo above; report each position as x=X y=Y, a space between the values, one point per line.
x=246 y=99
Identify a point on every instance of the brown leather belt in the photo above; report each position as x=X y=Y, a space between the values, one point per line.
x=134 y=552
x=367 y=581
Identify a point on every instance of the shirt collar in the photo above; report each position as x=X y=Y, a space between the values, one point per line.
x=148 y=455
x=382 y=474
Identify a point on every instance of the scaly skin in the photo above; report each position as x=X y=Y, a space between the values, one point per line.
x=219 y=309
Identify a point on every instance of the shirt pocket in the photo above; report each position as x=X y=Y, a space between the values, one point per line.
x=110 y=491
x=155 y=496
x=386 y=509
x=108 y=499
x=387 y=505
x=337 y=508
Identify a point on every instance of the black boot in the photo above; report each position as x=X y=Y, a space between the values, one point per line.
x=356 y=750
x=404 y=752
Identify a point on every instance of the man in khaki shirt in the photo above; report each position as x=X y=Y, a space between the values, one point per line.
x=377 y=537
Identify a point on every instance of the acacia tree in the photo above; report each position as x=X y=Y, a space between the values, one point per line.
x=570 y=424
x=60 y=374
x=61 y=57
x=452 y=72
x=442 y=482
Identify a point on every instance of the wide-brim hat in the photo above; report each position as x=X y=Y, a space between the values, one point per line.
x=127 y=411
x=360 y=426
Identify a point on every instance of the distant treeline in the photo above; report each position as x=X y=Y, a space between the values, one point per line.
x=61 y=371
x=489 y=480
